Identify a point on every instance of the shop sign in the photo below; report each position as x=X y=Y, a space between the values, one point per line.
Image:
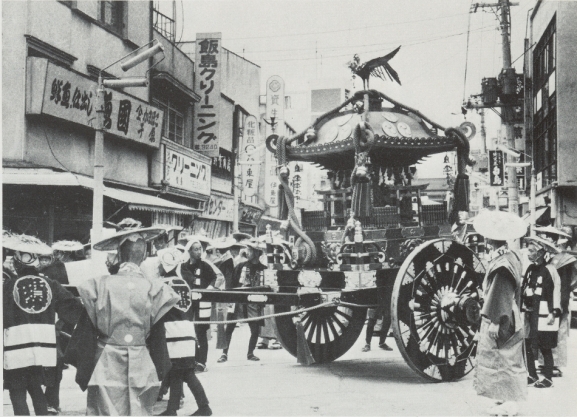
x=208 y=63
x=248 y=214
x=219 y=208
x=274 y=110
x=496 y=168
x=72 y=97
x=250 y=168
x=186 y=172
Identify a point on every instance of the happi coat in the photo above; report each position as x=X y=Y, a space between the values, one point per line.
x=30 y=303
x=541 y=297
x=566 y=266
x=123 y=308
x=501 y=373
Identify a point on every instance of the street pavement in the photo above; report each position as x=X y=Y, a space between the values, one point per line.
x=357 y=384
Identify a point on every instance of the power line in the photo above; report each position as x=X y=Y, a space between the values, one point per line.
x=376 y=50
x=288 y=35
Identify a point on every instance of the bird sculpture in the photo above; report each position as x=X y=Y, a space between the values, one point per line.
x=377 y=67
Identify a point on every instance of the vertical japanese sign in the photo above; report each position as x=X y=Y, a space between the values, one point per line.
x=296 y=183
x=275 y=125
x=250 y=171
x=207 y=83
x=496 y=168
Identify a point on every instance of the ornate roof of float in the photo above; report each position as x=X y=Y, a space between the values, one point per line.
x=402 y=136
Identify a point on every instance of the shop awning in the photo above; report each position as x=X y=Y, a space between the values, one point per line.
x=135 y=200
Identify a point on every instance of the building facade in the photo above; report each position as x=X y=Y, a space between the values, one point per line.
x=551 y=99
x=53 y=53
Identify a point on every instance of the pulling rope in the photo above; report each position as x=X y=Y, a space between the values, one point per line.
x=333 y=303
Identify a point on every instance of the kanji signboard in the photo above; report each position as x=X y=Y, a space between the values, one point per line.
x=250 y=171
x=186 y=172
x=275 y=125
x=208 y=64
x=71 y=96
x=496 y=168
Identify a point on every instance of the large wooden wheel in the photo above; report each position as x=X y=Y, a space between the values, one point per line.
x=330 y=331
x=435 y=309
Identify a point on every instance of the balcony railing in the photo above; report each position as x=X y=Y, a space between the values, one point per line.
x=164 y=25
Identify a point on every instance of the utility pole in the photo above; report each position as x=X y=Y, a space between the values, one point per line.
x=503 y=12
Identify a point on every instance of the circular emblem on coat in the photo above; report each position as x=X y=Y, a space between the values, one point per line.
x=32 y=294
x=183 y=290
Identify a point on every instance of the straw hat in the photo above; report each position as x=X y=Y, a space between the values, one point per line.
x=239 y=236
x=547 y=246
x=499 y=225
x=169 y=258
x=25 y=243
x=67 y=246
x=114 y=242
x=254 y=244
x=552 y=230
x=225 y=243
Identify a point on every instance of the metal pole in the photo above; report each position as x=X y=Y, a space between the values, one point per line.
x=532 y=200
x=97 y=203
x=512 y=189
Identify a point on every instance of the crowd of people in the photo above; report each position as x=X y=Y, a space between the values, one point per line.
x=136 y=333
x=133 y=334
x=525 y=309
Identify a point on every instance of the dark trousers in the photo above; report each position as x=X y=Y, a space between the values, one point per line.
x=177 y=377
x=202 y=353
x=254 y=331
x=547 y=360
x=52 y=393
x=33 y=385
x=384 y=329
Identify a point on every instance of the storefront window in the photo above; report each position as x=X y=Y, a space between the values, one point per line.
x=545 y=112
x=173 y=123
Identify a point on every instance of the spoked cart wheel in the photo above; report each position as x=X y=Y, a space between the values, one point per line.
x=435 y=309
x=330 y=331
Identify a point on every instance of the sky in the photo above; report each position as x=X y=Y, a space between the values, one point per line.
x=306 y=40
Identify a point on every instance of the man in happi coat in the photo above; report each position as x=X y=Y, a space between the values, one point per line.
x=542 y=309
x=126 y=310
x=500 y=372
x=30 y=303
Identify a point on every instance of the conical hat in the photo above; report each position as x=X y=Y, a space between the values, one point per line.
x=499 y=225
x=225 y=243
x=548 y=246
x=552 y=230
x=113 y=242
x=67 y=245
x=25 y=243
x=241 y=236
x=254 y=244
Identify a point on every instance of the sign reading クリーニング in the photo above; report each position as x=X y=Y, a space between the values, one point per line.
x=185 y=172
x=208 y=64
x=72 y=97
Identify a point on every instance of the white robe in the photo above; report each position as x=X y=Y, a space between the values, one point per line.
x=124 y=307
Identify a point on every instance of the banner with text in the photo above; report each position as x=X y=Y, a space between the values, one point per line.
x=219 y=207
x=186 y=172
x=250 y=157
x=496 y=168
x=71 y=96
x=208 y=62
x=274 y=121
